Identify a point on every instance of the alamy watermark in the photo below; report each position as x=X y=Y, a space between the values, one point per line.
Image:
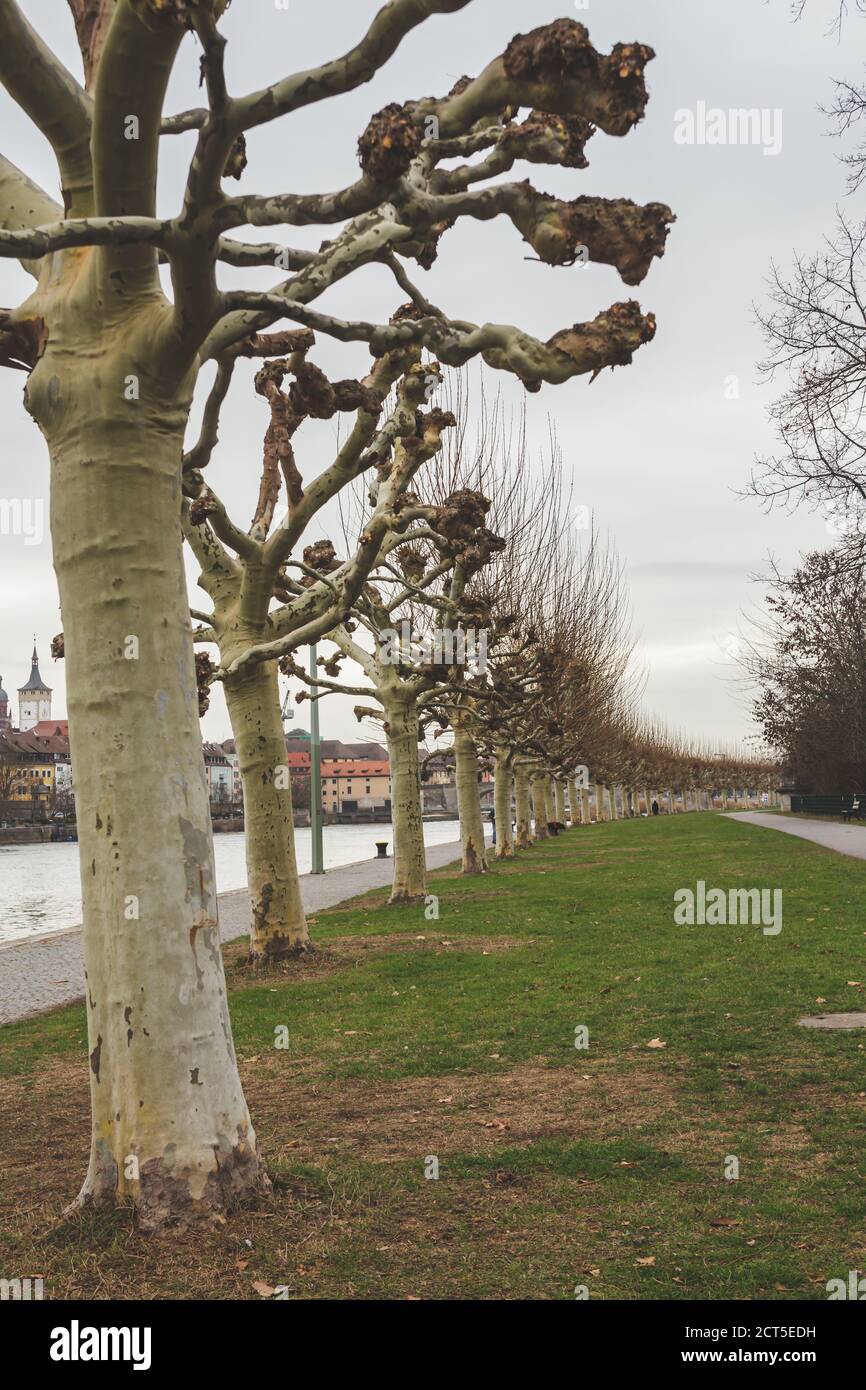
x=714 y=907
x=445 y=647
x=23 y=516
x=77 y=1343
x=854 y=1289
x=21 y=1290
x=737 y=126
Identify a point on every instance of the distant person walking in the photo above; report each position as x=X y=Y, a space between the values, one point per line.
x=655 y=807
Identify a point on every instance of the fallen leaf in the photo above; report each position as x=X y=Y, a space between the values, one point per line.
x=646 y=1260
x=656 y=1042
x=264 y=1289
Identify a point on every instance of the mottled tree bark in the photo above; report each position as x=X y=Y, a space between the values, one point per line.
x=539 y=805
x=170 y=1125
x=523 y=806
x=469 y=800
x=502 y=787
x=278 y=926
x=410 y=862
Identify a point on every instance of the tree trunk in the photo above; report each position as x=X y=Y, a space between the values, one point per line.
x=410 y=859
x=523 y=806
x=539 y=806
x=585 y=807
x=611 y=796
x=170 y=1125
x=574 y=802
x=559 y=801
x=502 y=784
x=278 y=926
x=469 y=801
x=550 y=801
x=599 y=803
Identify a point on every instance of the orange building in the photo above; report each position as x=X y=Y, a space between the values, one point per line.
x=353 y=784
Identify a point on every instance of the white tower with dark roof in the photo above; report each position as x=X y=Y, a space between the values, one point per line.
x=34 y=698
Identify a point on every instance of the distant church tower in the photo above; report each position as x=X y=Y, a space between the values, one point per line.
x=5 y=716
x=34 y=698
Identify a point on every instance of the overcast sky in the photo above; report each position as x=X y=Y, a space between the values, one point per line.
x=658 y=450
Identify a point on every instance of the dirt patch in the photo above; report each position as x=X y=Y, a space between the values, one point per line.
x=45 y=1129
x=387 y=1121
x=351 y=952
x=44 y=1136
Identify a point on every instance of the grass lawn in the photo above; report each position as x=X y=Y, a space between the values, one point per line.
x=455 y=1038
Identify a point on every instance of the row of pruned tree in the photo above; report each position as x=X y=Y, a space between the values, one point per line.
x=484 y=635
x=125 y=310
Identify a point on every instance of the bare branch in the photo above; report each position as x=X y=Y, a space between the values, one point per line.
x=40 y=84
x=391 y=25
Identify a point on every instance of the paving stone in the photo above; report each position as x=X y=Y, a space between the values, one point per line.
x=833 y=1021
x=40 y=973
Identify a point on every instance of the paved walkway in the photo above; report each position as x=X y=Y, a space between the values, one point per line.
x=41 y=972
x=845 y=839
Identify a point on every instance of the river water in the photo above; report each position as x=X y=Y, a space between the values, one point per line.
x=40 y=889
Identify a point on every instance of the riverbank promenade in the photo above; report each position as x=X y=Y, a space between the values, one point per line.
x=43 y=972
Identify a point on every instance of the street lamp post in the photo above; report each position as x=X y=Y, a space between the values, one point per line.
x=318 y=866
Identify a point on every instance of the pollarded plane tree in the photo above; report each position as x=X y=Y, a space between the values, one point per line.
x=528 y=510
x=112 y=359
x=651 y=741
x=247 y=572
x=525 y=510
x=407 y=634
x=582 y=623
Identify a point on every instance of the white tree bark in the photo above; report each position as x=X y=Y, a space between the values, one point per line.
x=539 y=806
x=469 y=800
x=410 y=861
x=170 y=1124
x=523 y=806
x=502 y=788
x=278 y=926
